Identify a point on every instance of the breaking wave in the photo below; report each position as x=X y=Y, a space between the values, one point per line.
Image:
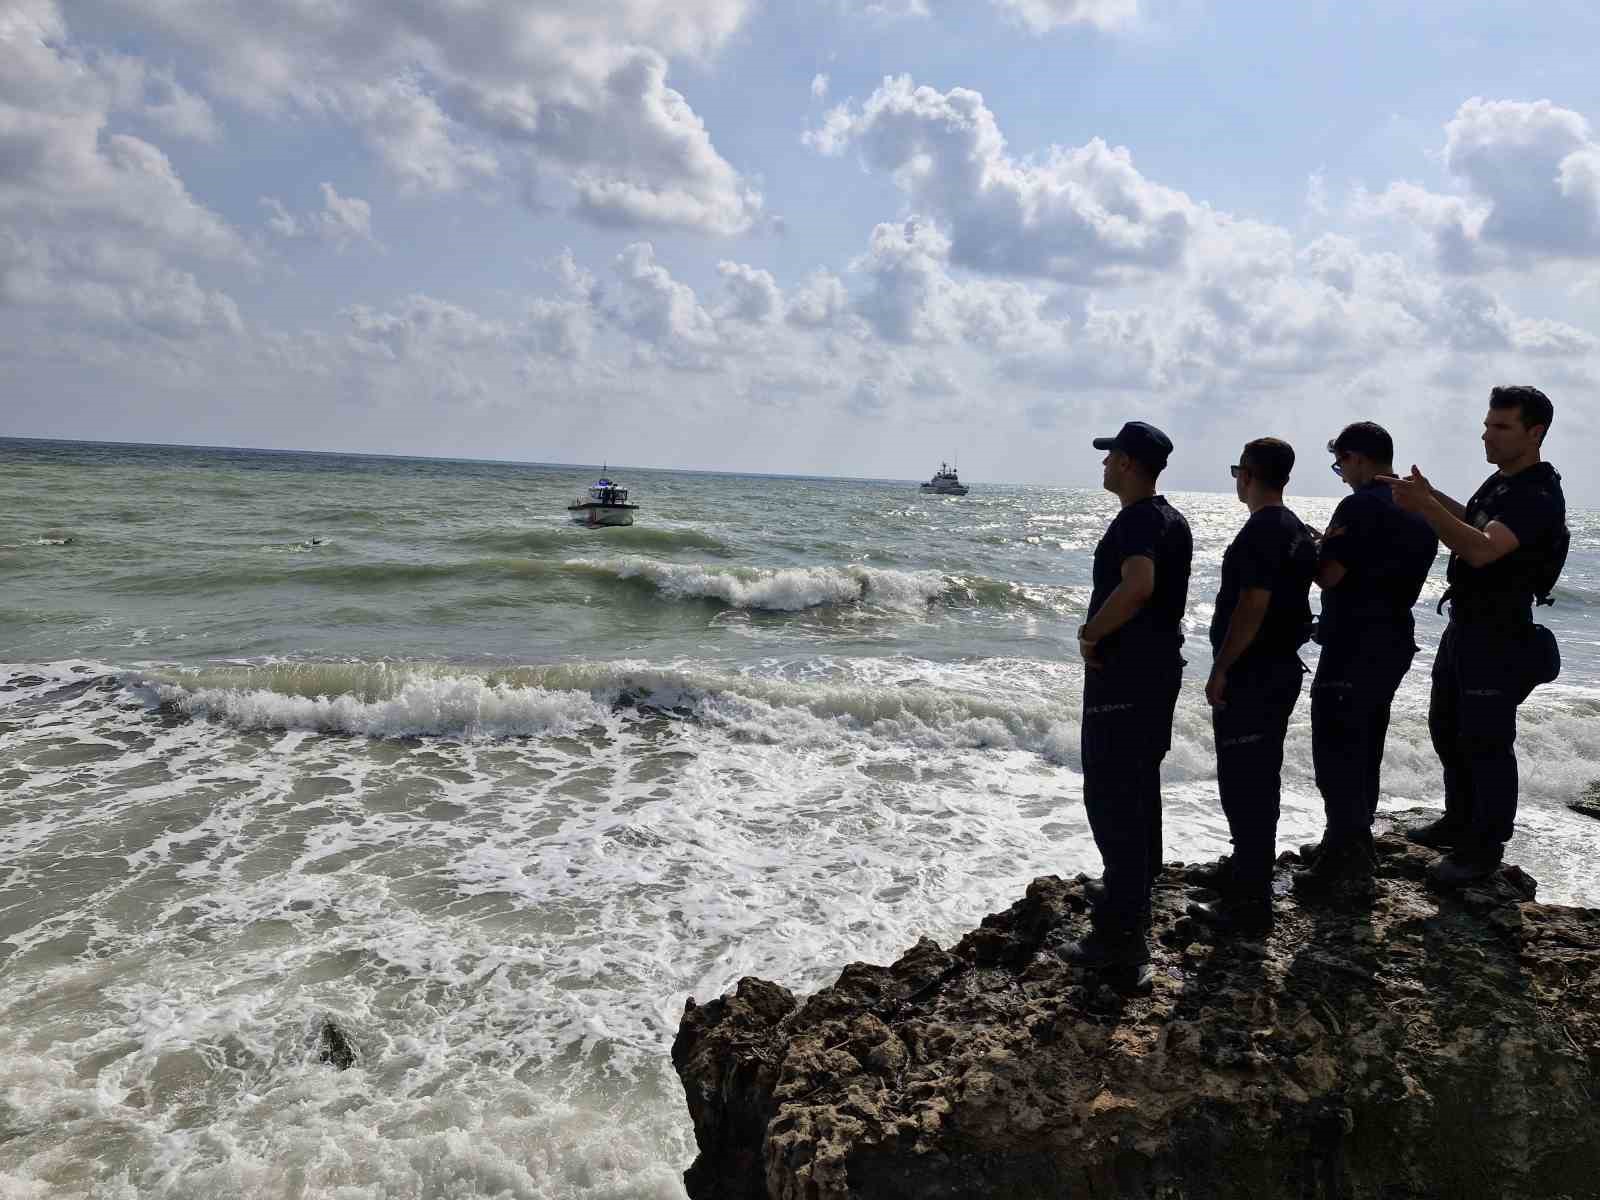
x=384 y=700
x=792 y=589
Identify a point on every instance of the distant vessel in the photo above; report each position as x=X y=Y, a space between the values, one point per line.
x=945 y=482
x=606 y=504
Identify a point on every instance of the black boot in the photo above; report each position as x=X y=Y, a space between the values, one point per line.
x=1216 y=875
x=1123 y=958
x=1339 y=871
x=1437 y=835
x=1460 y=867
x=1236 y=917
x=1106 y=948
x=1309 y=851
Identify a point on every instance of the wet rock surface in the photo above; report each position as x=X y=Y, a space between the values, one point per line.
x=1420 y=1044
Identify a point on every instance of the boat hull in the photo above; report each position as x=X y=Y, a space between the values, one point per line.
x=959 y=489
x=596 y=515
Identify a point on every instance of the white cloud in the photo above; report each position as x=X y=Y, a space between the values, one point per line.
x=342 y=222
x=1082 y=214
x=1041 y=16
x=461 y=96
x=819 y=86
x=661 y=312
x=753 y=293
x=94 y=224
x=423 y=326
x=1530 y=174
x=821 y=301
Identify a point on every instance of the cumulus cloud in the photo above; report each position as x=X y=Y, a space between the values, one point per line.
x=662 y=313
x=753 y=293
x=819 y=86
x=422 y=324
x=820 y=301
x=342 y=222
x=97 y=224
x=1530 y=179
x=1041 y=16
x=458 y=96
x=1082 y=214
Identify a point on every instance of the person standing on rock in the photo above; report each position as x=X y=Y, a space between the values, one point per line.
x=1262 y=618
x=1373 y=562
x=1132 y=672
x=1507 y=545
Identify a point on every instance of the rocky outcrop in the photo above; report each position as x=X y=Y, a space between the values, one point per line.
x=1424 y=1045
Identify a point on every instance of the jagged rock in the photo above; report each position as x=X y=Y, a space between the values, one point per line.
x=1589 y=808
x=334 y=1048
x=1426 y=1045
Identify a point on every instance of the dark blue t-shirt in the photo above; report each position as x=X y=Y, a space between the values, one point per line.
x=1154 y=529
x=1532 y=505
x=1386 y=553
x=1275 y=551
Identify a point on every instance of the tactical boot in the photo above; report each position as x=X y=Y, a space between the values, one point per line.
x=1236 y=918
x=1122 y=959
x=1309 y=851
x=1105 y=949
x=1438 y=835
x=1094 y=891
x=1458 y=868
x=1217 y=875
x=1338 y=871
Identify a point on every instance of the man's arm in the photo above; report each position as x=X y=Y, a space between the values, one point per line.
x=1122 y=605
x=1242 y=629
x=1455 y=508
x=1477 y=547
x=1330 y=574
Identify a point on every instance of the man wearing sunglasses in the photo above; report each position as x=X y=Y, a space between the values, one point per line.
x=1373 y=562
x=1262 y=618
x=1508 y=544
x=1132 y=672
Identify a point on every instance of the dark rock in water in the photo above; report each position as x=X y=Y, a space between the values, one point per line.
x=334 y=1048
x=1419 y=1045
x=1589 y=808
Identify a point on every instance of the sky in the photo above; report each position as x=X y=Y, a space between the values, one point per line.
x=845 y=237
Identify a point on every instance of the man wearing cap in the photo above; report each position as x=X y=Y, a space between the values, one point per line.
x=1374 y=560
x=1132 y=671
x=1508 y=544
x=1262 y=618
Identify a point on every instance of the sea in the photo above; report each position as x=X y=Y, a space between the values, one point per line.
x=291 y=738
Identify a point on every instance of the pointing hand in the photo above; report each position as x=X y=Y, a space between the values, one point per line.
x=1412 y=492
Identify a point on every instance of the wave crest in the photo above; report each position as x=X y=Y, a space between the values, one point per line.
x=781 y=589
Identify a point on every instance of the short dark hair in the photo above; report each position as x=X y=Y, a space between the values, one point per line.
x=1364 y=437
x=1270 y=460
x=1533 y=405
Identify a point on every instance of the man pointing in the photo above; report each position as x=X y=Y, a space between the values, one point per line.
x=1507 y=545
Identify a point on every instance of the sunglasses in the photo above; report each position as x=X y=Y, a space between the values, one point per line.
x=1338 y=470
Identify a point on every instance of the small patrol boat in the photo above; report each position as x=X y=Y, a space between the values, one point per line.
x=945 y=482
x=606 y=504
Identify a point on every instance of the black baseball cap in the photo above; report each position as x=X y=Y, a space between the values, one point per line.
x=1140 y=440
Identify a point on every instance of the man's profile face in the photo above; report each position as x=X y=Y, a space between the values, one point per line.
x=1505 y=438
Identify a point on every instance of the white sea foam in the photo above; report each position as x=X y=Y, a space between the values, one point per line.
x=786 y=589
x=449 y=707
x=505 y=918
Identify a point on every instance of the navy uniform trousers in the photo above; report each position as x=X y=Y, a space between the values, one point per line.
x=1126 y=732
x=1351 y=696
x=1483 y=671
x=1249 y=729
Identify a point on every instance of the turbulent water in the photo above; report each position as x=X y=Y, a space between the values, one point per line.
x=291 y=737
